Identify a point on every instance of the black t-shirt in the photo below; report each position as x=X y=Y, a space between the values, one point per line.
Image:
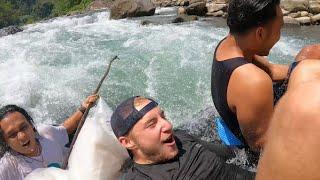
x=195 y=160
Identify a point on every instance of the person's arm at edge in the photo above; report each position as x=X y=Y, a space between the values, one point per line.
x=253 y=103
x=277 y=72
x=72 y=122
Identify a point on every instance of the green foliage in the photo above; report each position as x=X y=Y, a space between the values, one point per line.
x=17 y=12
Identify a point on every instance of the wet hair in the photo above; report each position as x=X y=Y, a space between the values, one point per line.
x=6 y=110
x=246 y=14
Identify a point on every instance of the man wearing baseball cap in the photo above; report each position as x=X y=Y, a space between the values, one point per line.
x=160 y=153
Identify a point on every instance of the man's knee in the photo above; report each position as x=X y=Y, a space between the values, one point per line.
x=293 y=136
x=305 y=71
x=309 y=52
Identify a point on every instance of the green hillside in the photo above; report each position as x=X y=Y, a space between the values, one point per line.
x=18 y=12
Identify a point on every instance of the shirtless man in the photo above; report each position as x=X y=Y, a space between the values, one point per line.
x=292 y=147
x=242 y=79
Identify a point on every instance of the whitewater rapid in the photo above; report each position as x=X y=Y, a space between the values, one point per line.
x=51 y=66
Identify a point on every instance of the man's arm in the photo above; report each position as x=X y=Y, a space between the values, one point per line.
x=72 y=122
x=277 y=72
x=252 y=101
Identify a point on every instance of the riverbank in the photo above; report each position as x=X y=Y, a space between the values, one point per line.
x=299 y=12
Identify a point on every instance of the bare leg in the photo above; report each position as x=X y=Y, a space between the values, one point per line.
x=293 y=142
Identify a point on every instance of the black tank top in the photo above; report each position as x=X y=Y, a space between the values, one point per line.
x=220 y=75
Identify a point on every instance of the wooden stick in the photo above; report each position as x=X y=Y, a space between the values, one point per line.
x=84 y=116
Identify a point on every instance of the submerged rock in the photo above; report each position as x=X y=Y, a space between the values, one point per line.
x=10 y=30
x=184 y=18
x=132 y=8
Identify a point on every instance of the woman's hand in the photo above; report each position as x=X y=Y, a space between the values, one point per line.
x=90 y=100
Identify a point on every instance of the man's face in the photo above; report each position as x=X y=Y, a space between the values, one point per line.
x=272 y=32
x=153 y=137
x=19 y=134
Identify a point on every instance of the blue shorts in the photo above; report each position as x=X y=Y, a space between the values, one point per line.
x=279 y=88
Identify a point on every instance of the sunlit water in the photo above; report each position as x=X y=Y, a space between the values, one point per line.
x=50 y=67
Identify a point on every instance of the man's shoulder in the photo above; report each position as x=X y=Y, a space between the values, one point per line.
x=130 y=172
x=249 y=78
x=251 y=72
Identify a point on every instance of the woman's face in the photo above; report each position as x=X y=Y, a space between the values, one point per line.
x=19 y=134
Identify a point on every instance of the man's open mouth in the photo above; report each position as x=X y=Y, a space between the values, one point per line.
x=169 y=140
x=26 y=144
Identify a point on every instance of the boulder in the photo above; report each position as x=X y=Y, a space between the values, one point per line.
x=290 y=20
x=304 y=13
x=314 y=6
x=131 y=8
x=295 y=15
x=198 y=9
x=295 y=5
x=184 y=18
x=213 y=7
x=304 y=20
x=216 y=14
x=181 y=10
x=315 y=18
x=285 y=12
x=167 y=4
x=10 y=30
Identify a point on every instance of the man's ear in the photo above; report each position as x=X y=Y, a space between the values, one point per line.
x=260 y=34
x=127 y=142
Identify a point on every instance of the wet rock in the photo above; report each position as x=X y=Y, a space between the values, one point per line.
x=285 y=12
x=181 y=10
x=314 y=6
x=131 y=8
x=304 y=13
x=10 y=30
x=167 y=4
x=146 y=22
x=198 y=9
x=295 y=5
x=290 y=20
x=216 y=14
x=315 y=18
x=213 y=7
x=184 y=18
x=304 y=20
x=295 y=15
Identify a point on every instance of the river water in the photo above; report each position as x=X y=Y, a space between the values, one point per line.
x=51 y=66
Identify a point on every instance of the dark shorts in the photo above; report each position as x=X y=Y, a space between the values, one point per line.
x=279 y=88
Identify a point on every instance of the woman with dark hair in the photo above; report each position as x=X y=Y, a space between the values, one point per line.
x=25 y=147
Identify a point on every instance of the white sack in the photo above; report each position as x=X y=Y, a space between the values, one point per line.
x=97 y=154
